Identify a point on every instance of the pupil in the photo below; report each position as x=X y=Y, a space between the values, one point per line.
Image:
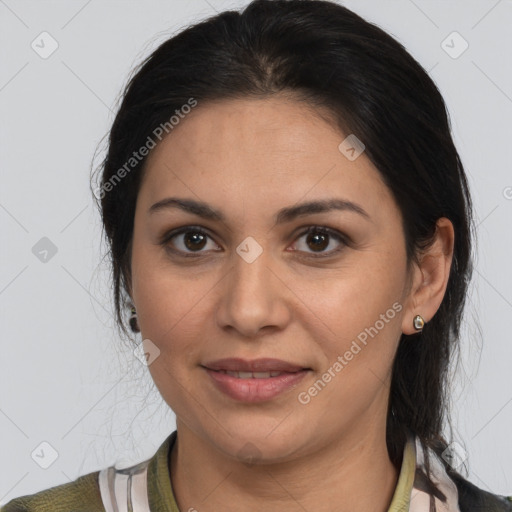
x=316 y=237
x=195 y=237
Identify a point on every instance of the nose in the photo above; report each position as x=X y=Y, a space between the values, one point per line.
x=254 y=297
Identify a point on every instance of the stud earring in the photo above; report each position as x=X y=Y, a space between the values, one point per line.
x=418 y=322
x=133 y=320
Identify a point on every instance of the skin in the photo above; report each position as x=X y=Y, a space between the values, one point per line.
x=249 y=158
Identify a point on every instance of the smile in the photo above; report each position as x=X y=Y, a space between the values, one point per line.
x=252 y=375
x=252 y=387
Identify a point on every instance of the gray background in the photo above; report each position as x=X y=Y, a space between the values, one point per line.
x=66 y=379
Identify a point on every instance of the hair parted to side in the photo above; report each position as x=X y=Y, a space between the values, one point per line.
x=336 y=62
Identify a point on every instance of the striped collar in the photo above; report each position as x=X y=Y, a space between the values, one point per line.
x=146 y=487
x=414 y=491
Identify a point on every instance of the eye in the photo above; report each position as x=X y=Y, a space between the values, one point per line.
x=318 y=237
x=192 y=239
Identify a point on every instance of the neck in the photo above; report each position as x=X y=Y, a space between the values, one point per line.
x=352 y=473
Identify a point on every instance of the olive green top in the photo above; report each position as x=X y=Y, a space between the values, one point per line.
x=84 y=495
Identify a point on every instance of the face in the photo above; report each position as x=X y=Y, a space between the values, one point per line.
x=251 y=283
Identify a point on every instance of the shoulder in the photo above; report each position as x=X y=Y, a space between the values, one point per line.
x=112 y=488
x=448 y=488
x=474 y=499
x=81 y=495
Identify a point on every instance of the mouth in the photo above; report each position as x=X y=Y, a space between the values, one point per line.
x=254 y=381
x=262 y=365
x=253 y=375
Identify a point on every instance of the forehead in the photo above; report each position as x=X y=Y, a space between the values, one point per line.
x=266 y=149
x=261 y=127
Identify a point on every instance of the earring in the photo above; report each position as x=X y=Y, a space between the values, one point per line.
x=418 y=322
x=133 y=321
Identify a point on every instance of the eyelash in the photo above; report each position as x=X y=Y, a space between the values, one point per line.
x=311 y=229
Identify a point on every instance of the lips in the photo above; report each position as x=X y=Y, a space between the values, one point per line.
x=255 y=366
x=258 y=380
x=252 y=375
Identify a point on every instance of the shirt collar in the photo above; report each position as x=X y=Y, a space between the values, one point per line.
x=402 y=495
x=413 y=492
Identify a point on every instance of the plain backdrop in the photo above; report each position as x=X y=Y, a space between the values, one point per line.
x=66 y=379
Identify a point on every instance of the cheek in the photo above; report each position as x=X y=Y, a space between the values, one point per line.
x=363 y=314
x=366 y=294
x=172 y=315
x=168 y=302
x=171 y=311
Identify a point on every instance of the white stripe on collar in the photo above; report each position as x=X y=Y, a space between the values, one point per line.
x=420 y=498
x=125 y=490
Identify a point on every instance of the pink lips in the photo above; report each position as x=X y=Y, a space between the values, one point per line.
x=256 y=388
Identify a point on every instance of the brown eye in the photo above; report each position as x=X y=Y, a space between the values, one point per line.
x=319 y=238
x=319 y=241
x=193 y=240
x=187 y=241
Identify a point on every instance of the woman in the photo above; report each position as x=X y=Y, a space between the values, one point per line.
x=296 y=256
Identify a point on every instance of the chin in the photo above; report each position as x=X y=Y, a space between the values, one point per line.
x=263 y=443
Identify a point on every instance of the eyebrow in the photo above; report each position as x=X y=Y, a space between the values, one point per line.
x=287 y=214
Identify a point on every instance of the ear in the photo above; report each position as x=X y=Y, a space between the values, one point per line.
x=430 y=277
